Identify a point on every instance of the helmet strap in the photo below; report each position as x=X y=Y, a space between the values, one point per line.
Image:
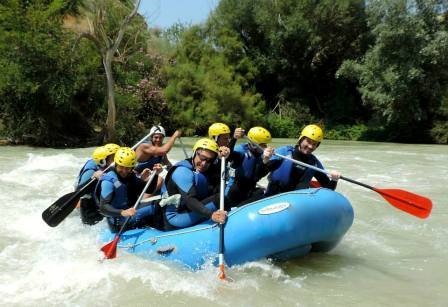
x=194 y=156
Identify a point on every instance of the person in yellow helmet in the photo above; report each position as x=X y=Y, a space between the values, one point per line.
x=221 y=134
x=286 y=176
x=248 y=168
x=102 y=157
x=196 y=182
x=118 y=190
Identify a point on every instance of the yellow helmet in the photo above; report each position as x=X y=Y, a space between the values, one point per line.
x=99 y=154
x=313 y=132
x=217 y=129
x=126 y=157
x=259 y=135
x=111 y=148
x=205 y=143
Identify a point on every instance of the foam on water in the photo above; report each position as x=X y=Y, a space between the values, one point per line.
x=384 y=259
x=46 y=172
x=62 y=262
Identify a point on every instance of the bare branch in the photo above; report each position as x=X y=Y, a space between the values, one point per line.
x=90 y=37
x=125 y=23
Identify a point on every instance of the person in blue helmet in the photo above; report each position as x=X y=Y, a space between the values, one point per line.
x=118 y=190
x=198 y=186
x=102 y=157
x=286 y=176
x=248 y=168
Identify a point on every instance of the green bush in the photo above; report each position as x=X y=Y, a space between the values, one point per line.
x=289 y=119
x=281 y=126
x=439 y=130
x=345 y=132
x=358 y=132
x=439 y=133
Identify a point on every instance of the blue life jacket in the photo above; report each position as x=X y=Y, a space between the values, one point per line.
x=199 y=180
x=181 y=173
x=282 y=175
x=246 y=171
x=90 y=165
x=120 y=198
x=249 y=164
x=148 y=164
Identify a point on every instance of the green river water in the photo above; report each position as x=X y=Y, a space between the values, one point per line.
x=387 y=258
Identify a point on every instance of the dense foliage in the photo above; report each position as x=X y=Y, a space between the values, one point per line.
x=367 y=70
x=45 y=97
x=296 y=47
x=204 y=86
x=403 y=77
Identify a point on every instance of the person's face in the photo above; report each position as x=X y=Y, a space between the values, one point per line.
x=307 y=145
x=223 y=139
x=203 y=159
x=157 y=139
x=123 y=171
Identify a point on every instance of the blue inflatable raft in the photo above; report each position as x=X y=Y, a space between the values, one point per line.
x=281 y=227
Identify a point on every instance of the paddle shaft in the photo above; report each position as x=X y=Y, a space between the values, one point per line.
x=57 y=212
x=307 y=165
x=123 y=227
x=411 y=203
x=325 y=172
x=222 y=274
x=113 y=163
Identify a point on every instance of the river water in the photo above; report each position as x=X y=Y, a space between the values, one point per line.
x=387 y=258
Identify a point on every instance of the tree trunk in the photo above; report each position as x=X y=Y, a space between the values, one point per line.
x=111 y=135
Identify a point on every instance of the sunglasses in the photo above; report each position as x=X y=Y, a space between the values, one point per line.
x=204 y=158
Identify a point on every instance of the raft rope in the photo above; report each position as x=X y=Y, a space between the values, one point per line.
x=153 y=240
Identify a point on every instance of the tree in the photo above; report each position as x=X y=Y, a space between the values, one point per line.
x=41 y=84
x=403 y=76
x=203 y=86
x=108 y=21
x=296 y=47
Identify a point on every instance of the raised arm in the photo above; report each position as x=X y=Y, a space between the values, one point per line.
x=152 y=150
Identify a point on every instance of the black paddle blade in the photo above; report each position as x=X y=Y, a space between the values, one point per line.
x=61 y=208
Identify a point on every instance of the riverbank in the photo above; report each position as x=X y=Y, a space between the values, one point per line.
x=5 y=142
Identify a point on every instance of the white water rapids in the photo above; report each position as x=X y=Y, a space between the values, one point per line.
x=387 y=258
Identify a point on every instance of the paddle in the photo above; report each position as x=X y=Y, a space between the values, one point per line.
x=61 y=208
x=315 y=184
x=222 y=274
x=110 y=249
x=411 y=203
